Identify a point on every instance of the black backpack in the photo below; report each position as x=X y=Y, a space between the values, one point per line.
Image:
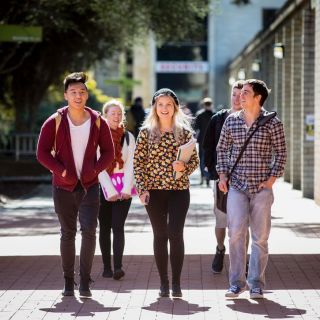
x=125 y=137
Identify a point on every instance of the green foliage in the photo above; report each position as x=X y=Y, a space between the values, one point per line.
x=54 y=99
x=96 y=96
x=76 y=34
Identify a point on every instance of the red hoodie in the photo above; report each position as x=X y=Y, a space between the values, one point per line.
x=64 y=156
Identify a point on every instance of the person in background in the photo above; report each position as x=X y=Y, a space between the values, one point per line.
x=250 y=195
x=135 y=116
x=166 y=199
x=210 y=142
x=67 y=146
x=186 y=110
x=202 y=119
x=115 y=198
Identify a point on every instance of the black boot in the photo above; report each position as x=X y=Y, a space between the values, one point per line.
x=176 y=290
x=68 y=289
x=118 y=274
x=164 y=289
x=217 y=264
x=84 y=288
x=107 y=273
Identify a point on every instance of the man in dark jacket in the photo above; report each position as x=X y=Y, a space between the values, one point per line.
x=209 y=145
x=201 y=123
x=67 y=146
x=135 y=116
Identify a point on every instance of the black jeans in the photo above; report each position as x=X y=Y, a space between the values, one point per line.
x=68 y=205
x=112 y=215
x=167 y=210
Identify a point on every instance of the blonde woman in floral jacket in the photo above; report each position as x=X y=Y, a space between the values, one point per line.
x=166 y=199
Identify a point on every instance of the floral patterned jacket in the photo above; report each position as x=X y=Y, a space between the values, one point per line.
x=153 y=162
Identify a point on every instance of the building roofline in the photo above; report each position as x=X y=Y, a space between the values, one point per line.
x=288 y=8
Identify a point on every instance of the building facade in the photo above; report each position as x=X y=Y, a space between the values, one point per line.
x=198 y=68
x=230 y=27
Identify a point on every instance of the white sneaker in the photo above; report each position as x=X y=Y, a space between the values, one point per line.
x=256 y=293
x=234 y=291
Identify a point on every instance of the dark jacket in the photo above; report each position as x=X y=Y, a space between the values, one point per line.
x=201 y=123
x=211 y=139
x=64 y=156
x=138 y=115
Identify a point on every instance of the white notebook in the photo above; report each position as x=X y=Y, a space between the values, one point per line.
x=184 y=154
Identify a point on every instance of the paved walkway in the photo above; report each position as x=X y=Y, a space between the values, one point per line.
x=31 y=281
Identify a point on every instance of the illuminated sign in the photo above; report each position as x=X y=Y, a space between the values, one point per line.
x=182 y=67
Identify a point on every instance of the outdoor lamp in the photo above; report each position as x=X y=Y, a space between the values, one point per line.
x=232 y=80
x=241 y=74
x=255 y=66
x=278 y=50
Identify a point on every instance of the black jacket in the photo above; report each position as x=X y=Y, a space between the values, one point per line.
x=201 y=123
x=211 y=139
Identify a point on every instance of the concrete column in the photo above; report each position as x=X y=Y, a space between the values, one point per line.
x=307 y=103
x=211 y=55
x=270 y=105
x=286 y=95
x=143 y=69
x=295 y=102
x=278 y=79
x=317 y=105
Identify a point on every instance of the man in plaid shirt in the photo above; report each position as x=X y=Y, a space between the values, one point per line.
x=250 y=194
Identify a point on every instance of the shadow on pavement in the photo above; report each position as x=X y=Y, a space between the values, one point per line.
x=284 y=272
x=75 y=308
x=306 y=230
x=39 y=218
x=175 y=306
x=264 y=307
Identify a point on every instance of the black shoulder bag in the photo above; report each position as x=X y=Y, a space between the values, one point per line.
x=221 y=197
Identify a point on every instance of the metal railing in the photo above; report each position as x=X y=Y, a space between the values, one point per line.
x=18 y=145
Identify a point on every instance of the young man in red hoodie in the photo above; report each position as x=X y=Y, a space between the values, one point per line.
x=67 y=146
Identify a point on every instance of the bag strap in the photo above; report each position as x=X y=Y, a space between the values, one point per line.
x=57 y=121
x=262 y=120
x=98 y=123
x=125 y=137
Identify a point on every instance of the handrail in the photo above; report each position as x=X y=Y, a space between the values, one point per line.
x=18 y=144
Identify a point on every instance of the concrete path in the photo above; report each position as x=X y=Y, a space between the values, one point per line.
x=31 y=280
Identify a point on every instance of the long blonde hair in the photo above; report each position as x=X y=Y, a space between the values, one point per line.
x=181 y=122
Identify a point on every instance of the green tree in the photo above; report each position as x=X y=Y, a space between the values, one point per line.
x=77 y=33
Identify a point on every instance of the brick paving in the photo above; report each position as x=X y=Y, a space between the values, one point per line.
x=31 y=281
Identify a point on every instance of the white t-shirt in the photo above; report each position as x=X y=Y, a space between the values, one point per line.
x=79 y=140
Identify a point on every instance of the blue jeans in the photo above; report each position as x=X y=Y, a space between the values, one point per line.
x=253 y=210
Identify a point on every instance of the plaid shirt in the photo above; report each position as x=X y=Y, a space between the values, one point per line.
x=265 y=155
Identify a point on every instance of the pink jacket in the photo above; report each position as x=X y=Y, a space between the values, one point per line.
x=64 y=157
